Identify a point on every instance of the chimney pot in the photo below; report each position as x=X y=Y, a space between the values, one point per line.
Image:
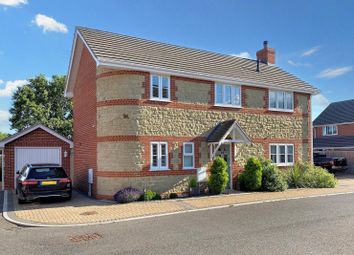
x=265 y=44
x=266 y=55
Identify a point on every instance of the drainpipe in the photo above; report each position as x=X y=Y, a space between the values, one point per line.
x=2 y=168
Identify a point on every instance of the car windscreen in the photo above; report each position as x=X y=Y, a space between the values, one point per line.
x=46 y=173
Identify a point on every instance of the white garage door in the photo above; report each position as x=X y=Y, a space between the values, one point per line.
x=36 y=155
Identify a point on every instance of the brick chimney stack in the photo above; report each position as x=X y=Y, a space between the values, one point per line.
x=266 y=55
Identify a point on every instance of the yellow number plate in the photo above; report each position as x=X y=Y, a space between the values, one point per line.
x=49 y=183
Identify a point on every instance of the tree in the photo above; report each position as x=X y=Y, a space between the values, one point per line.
x=3 y=135
x=42 y=101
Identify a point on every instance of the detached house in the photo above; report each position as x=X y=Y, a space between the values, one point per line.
x=153 y=115
x=333 y=131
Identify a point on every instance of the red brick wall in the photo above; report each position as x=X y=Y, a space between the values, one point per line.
x=343 y=129
x=37 y=138
x=85 y=149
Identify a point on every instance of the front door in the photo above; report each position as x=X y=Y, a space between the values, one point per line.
x=224 y=152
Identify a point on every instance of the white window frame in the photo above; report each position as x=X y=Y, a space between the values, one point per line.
x=189 y=155
x=331 y=127
x=216 y=84
x=158 y=167
x=278 y=154
x=277 y=108
x=160 y=98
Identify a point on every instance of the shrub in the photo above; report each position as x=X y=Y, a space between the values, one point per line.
x=127 y=195
x=306 y=175
x=317 y=177
x=273 y=179
x=193 y=183
x=149 y=195
x=157 y=197
x=218 y=176
x=251 y=178
x=173 y=195
x=294 y=176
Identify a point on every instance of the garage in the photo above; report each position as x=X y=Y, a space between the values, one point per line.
x=35 y=145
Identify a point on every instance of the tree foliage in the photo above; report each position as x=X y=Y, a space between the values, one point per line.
x=3 y=135
x=42 y=101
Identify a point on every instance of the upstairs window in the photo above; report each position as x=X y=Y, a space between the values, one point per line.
x=227 y=95
x=330 y=130
x=159 y=156
x=188 y=155
x=160 y=88
x=282 y=154
x=281 y=100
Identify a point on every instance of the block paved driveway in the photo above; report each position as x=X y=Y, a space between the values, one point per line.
x=83 y=210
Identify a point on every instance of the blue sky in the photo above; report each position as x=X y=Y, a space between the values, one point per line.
x=313 y=39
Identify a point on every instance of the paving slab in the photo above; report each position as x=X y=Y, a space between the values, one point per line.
x=83 y=210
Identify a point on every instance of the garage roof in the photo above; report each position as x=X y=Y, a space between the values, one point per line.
x=29 y=130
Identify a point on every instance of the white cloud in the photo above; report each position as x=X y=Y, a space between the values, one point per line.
x=10 y=87
x=243 y=54
x=311 y=51
x=13 y=3
x=334 y=72
x=48 y=24
x=319 y=103
x=298 y=64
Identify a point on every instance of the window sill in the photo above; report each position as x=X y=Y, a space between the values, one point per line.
x=160 y=100
x=188 y=168
x=284 y=164
x=330 y=135
x=280 y=110
x=228 y=105
x=159 y=169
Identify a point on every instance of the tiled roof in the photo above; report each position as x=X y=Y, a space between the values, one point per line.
x=334 y=142
x=116 y=48
x=336 y=113
x=220 y=130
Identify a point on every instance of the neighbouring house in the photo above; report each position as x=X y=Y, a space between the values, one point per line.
x=333 y=131
x=153 y=115
x=36 y=144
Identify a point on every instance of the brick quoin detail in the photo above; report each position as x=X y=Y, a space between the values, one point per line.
x=85 y=134
x=36 y=138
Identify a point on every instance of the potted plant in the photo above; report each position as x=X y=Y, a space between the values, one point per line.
x=193 y=187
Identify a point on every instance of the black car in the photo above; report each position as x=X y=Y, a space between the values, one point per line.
x=332 y=164
x=42 y=180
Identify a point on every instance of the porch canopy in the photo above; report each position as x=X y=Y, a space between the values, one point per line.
x=226 y=132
